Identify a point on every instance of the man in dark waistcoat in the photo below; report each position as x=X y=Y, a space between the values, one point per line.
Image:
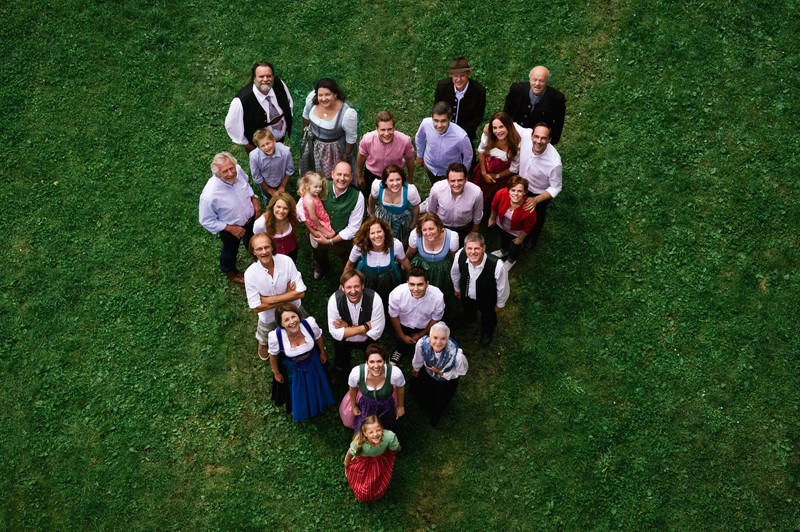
x=355 y=319
x=466 y=97
x=534 y=102
x=481 y=283
x=265 y=102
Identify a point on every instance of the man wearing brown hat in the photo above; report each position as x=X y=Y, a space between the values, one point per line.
x=466 y=96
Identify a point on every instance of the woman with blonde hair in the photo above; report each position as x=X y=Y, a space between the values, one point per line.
x=369 y=462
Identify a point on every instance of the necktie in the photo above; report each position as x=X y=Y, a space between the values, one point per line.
x=279 y=127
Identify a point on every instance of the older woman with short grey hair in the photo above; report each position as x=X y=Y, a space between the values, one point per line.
x=443 y=363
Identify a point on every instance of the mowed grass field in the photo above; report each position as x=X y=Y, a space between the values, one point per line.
x=645 y=374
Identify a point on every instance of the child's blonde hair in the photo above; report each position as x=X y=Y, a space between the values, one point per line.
x=308 y=180
x=360 y=438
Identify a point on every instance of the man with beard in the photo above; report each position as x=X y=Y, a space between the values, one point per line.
x=264 y=102
x=228 y=208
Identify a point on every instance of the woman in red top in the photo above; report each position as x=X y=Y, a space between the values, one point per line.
x=513 y=221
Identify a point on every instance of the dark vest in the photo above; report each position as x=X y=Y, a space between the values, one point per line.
x=366 y=307
x=254 y=115
x=485 y=285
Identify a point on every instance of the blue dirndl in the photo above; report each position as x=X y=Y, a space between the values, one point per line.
x=306 y=392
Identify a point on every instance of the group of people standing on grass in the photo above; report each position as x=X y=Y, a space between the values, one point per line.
x=416 y=265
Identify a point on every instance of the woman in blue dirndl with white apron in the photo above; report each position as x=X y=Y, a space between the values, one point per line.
x=296 y=356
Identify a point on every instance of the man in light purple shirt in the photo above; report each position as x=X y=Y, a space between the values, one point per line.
x=457 y=202
x=380 y=148
x=228 y=207
x=441 y=142
x=540 y=165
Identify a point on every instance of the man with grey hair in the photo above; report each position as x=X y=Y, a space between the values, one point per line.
x=535 y=102
x=481 y=283
x=228 y=207
x=443 y=363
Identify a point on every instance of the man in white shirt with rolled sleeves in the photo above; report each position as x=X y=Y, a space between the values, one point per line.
x=413 y=308
x=540 y=165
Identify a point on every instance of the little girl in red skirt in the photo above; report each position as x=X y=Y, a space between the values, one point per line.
x=369 y=462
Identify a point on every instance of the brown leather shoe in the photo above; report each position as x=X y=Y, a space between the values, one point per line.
x=236 y=276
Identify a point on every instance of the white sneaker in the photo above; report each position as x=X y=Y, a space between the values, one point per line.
x=500 y=253
x=509 y=264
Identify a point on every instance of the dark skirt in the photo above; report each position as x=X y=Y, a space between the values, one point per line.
x=382 y=282
x=434 y=395
x=383 y=408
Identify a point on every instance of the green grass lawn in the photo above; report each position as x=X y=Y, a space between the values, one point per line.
x=645 y=374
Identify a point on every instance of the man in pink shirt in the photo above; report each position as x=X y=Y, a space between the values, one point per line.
x=380 y=148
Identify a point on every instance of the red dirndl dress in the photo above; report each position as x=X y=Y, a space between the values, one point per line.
x=493 y=166
x=369 y=476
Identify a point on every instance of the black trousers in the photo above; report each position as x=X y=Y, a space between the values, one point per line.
x=488 y=313
x=405 y=349
x=434 y=395
x=343 y=351
x=340 y=249
x=541 y=214
x=230 y=246
x=507 y=243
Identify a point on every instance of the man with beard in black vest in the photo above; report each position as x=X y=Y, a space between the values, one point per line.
x=264 y=103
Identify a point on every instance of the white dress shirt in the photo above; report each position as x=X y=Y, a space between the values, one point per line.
x=377 y=319
x=416 y=313
x=500 y=278
x=234 y=121
x=542 y=172
x=258 y=282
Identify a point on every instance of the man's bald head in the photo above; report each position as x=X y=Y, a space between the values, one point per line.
x=539 y=78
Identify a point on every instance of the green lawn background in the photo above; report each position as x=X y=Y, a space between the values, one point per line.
x=646 y=371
